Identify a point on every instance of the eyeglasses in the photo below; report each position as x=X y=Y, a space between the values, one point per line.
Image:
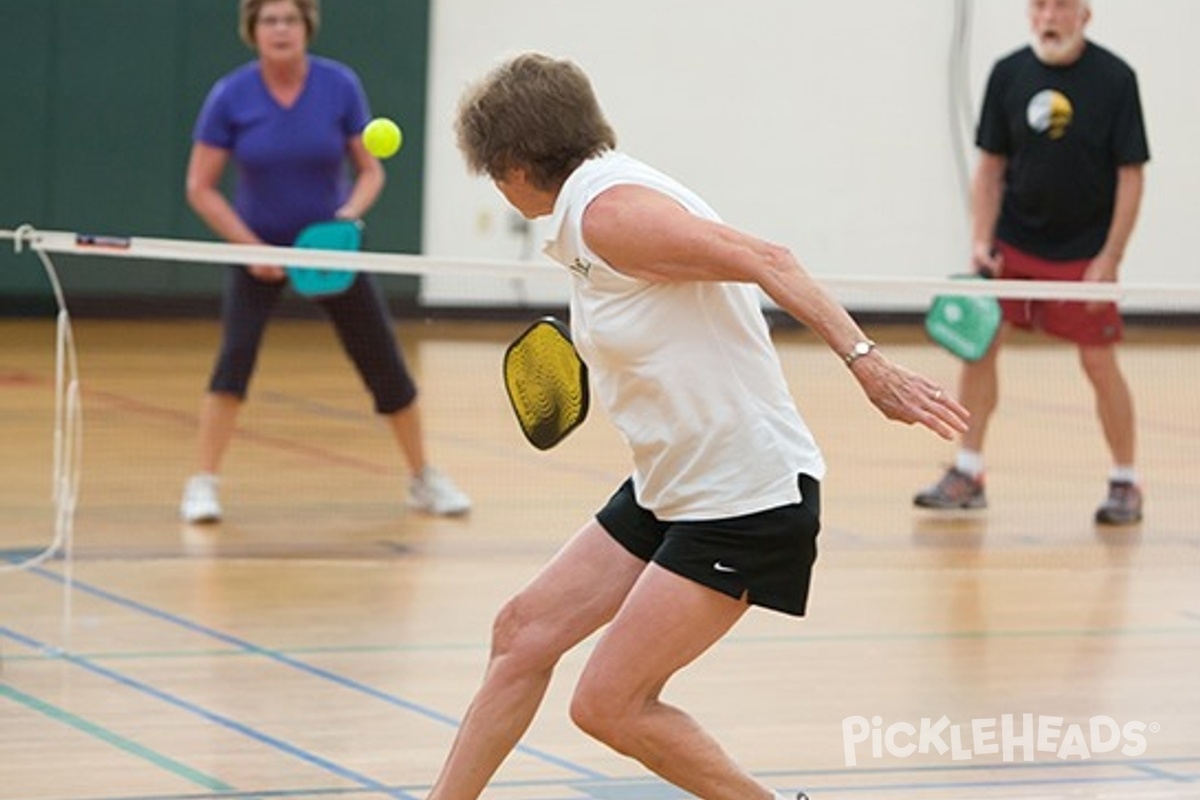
x=286 y=21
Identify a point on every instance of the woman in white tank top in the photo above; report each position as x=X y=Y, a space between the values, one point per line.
x=665 y=312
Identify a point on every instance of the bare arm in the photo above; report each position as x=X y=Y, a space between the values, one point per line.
x=987 y=191
x=368 y=182
x=204 y=196
x=1106 y=265
x=205 y=167
x=649 y=236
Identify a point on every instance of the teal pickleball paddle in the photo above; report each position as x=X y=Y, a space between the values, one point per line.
x=965 y=325
x=341 y=234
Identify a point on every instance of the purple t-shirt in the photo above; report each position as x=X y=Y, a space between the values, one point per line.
x=291 y=163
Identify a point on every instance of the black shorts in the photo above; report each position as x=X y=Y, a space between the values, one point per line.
x=766 y=557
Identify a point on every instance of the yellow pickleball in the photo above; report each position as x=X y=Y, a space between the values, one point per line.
x=382 y=137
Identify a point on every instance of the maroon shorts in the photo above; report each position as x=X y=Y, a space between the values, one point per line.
x=1075 y=321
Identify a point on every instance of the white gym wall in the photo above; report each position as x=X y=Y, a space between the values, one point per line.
x=824 y=126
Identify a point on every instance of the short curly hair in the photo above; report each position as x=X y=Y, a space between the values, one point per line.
x=534 y=112
x=248 y=11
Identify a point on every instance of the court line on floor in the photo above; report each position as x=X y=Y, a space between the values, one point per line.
x=324 y=455
x=211 y=716
x=280 y=657
x=297 y=664
x=518 y=452
x=1155 y=769
x=140 y=751
x=650 y=787
x=482 y=647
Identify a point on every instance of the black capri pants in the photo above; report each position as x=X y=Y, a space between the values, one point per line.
x=359 y=316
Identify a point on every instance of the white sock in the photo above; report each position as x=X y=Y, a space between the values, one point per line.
x=970 y=462
x=1123 y=473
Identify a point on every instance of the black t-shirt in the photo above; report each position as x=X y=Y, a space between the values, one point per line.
x=1064 y=130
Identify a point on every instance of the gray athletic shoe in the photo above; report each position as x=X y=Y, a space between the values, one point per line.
x=956 y=490
x=1123 y=506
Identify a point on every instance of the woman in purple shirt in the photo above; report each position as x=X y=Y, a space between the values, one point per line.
x=289 y=122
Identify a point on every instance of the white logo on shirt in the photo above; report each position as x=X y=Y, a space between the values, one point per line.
x=719 y=567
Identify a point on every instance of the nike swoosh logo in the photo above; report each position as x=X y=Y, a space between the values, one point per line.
x=719 y=567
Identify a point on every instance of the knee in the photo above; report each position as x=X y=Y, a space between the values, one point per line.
x=598 y=713
x=519 y=644
x=1100 y=365
x=232 y=373
x=393 y=397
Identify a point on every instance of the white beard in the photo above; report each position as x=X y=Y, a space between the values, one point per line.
x=1064 y=50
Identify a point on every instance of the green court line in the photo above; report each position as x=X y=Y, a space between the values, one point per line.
x=241 y=653
x=116 y=740
x=909 y=636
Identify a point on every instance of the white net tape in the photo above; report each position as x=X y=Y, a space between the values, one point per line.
x=865 y=287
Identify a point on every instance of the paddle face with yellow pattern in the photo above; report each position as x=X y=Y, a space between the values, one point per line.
x=547 y=383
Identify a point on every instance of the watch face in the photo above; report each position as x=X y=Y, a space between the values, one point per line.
x=859 y=350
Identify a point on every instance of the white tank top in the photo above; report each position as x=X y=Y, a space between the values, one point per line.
x=686 y=371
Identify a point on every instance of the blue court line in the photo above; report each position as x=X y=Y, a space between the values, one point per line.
x=317 y=672
x=1162 y=774
x=800 y=638
x=650 y=787
x=588 y=774
x=267 y=795
x=1144 y=771
x=18 y=554
x=211 y=716
x=114 y=739
x=142 y=655
x=868 y=789
x=1149 y=771
x=279 y=794
x=1151 y=765
x=350 y=792
x=178 y=653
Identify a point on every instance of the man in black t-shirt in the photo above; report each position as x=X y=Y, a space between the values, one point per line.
x=1055 y=197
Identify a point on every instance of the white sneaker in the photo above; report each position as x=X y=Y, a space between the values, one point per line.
x=434 y=493
x=200 y=503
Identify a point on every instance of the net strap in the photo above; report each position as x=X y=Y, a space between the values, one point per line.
x=67 y=443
